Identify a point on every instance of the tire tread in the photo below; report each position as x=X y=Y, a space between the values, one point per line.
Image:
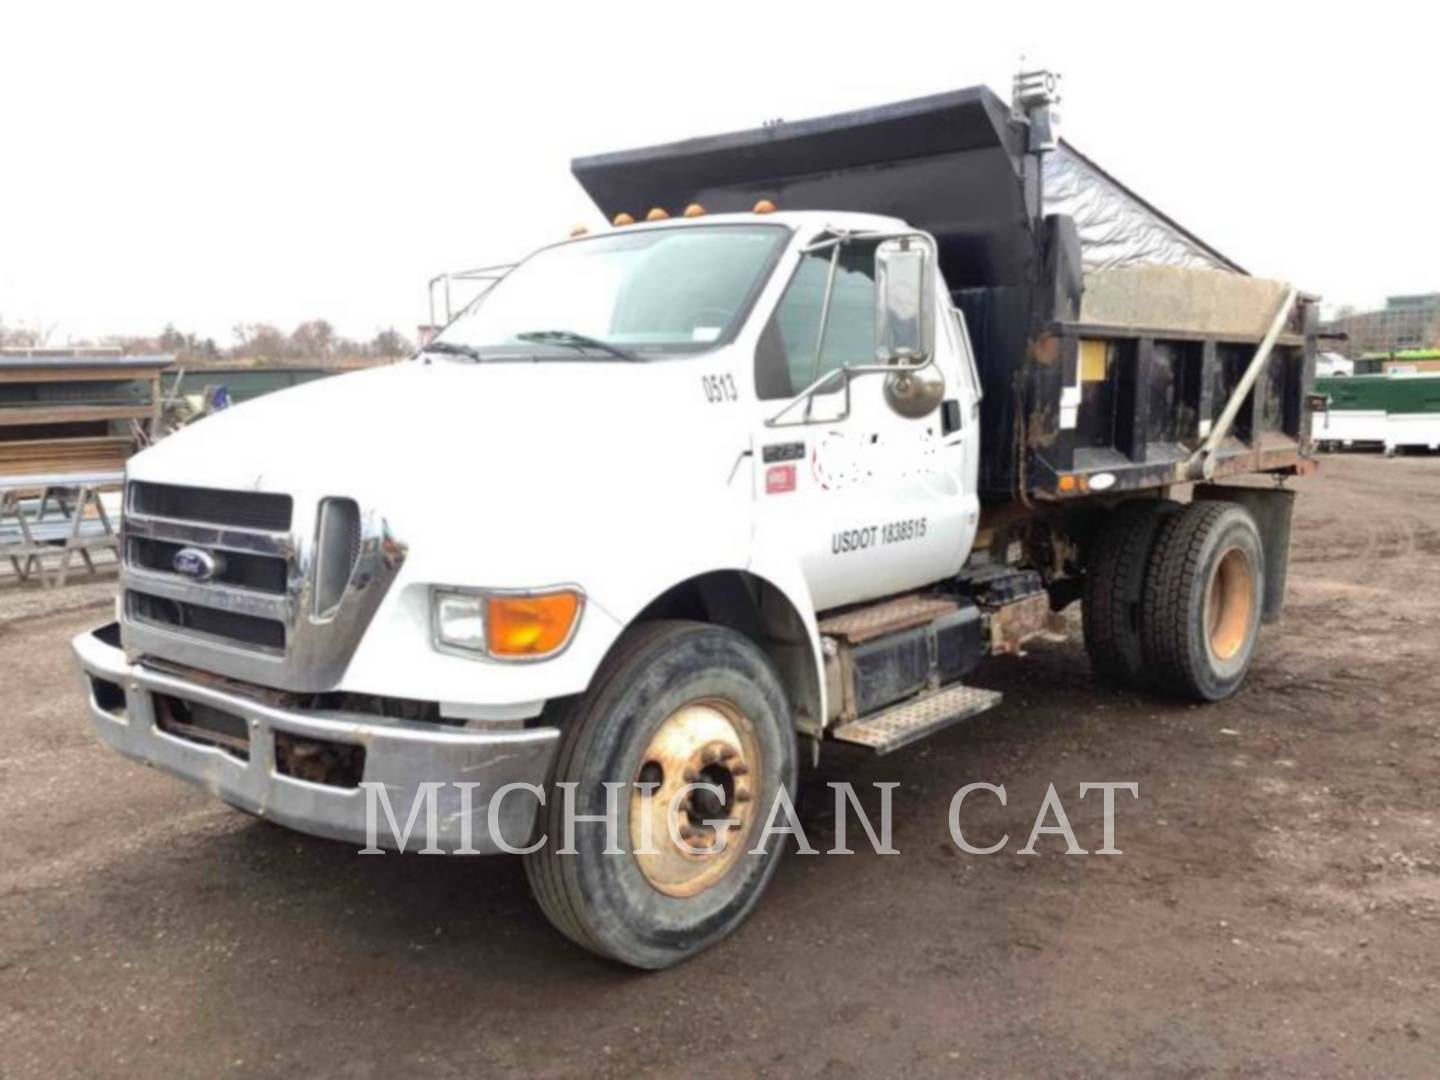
x=557 y=893
x=1114 y=580
x=1171 y=581
x=554 y=878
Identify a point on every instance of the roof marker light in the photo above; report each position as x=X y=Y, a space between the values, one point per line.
x=764 y=206
x=694 y=210
x=657 y=214
x=579 y=230
x=623 y=219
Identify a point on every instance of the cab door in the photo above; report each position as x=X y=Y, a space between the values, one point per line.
x=871 y=502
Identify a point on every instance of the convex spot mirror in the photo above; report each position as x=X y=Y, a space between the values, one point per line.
x=904 y=301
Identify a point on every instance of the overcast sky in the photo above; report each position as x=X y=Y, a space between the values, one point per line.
x=208 y=164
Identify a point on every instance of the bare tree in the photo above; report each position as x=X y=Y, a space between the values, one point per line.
x=171 y=340
x=391 y=343
x=25 y=337
x=313 y=340
x=261 y=341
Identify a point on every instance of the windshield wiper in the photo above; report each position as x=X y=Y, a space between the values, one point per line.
x=451 y=348
x=577 y=341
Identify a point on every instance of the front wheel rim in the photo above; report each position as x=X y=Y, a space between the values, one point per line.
x=695 y=839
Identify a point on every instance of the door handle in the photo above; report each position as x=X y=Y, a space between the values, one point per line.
x=949 y=416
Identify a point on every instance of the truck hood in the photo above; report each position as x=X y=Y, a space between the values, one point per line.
x=408 y=426
x=518 y=455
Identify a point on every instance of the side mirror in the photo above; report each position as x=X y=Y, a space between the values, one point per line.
x=904 y=302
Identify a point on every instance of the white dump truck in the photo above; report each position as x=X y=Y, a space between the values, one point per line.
x=830 y=413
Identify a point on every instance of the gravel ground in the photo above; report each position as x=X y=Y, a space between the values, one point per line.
x=1276 y=911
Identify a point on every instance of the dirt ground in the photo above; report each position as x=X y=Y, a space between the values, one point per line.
x=1276 y=911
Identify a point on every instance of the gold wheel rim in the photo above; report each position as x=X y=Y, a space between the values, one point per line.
x=694 y=836
x=1230 y=604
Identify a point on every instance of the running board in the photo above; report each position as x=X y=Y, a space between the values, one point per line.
x=902 y=724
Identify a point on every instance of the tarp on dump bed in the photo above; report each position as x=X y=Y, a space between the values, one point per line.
x=1117 y=228
x=953 y=164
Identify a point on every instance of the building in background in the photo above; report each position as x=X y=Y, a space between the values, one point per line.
x=1404 y=362
x=1404 y=324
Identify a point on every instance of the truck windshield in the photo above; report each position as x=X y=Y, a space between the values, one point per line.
x=622 y=295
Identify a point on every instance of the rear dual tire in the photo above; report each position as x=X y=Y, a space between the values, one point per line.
x=1203 y=598
x=1173 y=598
x=1117 y=566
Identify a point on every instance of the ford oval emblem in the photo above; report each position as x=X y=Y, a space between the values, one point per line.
x=195 y=563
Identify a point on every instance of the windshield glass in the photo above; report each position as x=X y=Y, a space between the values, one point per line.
x=623 y=295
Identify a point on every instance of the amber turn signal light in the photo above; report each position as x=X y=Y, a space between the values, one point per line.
x=531 y=625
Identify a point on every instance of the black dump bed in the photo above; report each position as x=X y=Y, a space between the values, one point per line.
x=1108 y=338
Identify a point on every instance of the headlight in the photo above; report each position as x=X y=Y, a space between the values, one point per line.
x=506 y=625
x=459 y=620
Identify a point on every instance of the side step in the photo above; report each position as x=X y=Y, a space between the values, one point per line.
x=902 y=724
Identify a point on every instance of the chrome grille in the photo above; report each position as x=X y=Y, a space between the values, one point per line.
x=214 y=506
x=245 y=604
x=263 y=573
x=228 y=627
x=273 y=605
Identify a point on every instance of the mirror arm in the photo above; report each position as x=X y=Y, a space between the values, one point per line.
x=807 y=395
x=835 y=237
x=824 y=322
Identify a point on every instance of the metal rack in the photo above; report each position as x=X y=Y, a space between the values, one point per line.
x=68 y=421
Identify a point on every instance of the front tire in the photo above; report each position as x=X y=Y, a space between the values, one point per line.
x=1203 y=596
x=676 y=703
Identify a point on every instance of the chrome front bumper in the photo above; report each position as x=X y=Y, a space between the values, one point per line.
x=399 y=756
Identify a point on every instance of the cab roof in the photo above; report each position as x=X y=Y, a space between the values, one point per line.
x=799 y=220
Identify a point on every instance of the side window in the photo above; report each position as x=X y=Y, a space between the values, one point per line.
x=961 y=345
x=785 y=361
